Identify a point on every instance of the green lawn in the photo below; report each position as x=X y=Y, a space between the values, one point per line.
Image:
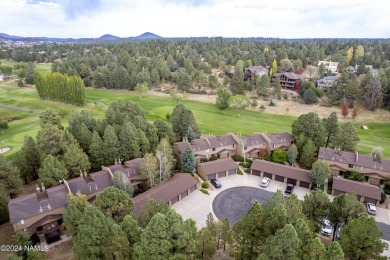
x=43 y=68
x=210 y=119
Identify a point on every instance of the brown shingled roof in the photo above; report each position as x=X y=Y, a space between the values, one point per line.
x=359 y=188
x=278 y=138
x=350 y=158
x=219 y=165
x=165 y=191
x=281 y=170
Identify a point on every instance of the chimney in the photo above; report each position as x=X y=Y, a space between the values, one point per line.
x=81 y=174
x=356 y=156
x=67 y=186
x=43 y=187
x=85 y=174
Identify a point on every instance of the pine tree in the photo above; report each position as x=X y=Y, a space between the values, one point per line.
x=51 y=140
x=9 y=178
x=331 y=128
x=292 y=154
x=223 y=98
x=294 y=208
x=164 y=130
x=307 y=155
x=334 y=252
x=96 y=152
x=190 y=134
x=314 y=249
x=187 y=160
x=347 y=137
x=52 y=172
x=129 y=142
x=181 y=119
x=75 y=160
x=74 y=213
x=237 y=82
x=110 y=146
x=275 y=219
x=151 y=208
x=277 y=88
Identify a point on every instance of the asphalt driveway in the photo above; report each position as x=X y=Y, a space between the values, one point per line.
x=232 y=204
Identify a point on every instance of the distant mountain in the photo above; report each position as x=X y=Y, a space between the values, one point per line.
x=108 y=37
x=148 y=35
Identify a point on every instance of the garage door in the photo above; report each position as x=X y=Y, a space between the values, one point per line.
x=232 y=172
x=268 y=175
x=256 y=173
x=304 y=184
x=221 y=174
x=293 y=181
x=337 y=192
x=174 y=200
x=279 y=178
x=183 y=195
x=212 y=176
x=369 y=200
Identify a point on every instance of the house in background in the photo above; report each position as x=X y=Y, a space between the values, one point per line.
x=253 y=71
x=364 y=191
x=288 y=80
x=326 y=83
x=329 y=65
x=375 y=171
x=219 y=146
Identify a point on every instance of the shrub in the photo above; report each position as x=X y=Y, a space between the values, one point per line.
x=262 y=108
x=273 y=102
x=213 y=158
x=238 y=158
x=355 y=176
x=386 y=190
x=168 y=116
x=285 y=96
x=279 y=156
x=239 y=172
x=205 y=185
x=248 y=164
x=204 y=191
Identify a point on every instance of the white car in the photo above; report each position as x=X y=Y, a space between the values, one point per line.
x=371 y=209
x=264 y=182
x=326 y=228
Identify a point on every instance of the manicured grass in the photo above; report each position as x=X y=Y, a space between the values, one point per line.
x=209 y=118
x=43 y=68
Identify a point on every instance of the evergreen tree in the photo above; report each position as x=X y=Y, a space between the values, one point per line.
x=307 y=155
x=51 y=140
x=164 y=130
x=320 y=172
x=263 y=89
x=292 y=154
x=334 y=252
x=27 y=160
x=277 y=88
x=331 y=128
x=275 y=219
x=9 y=178
x=115 y=203
x=314 y=249
x=75 y=160
x=132 y=230
x=129 y=142
x=96 y=152
x=52 y=172
x=312 y=128
x=190 y=134
x=305 y=234
x=22 y=240
x=110 y=146
x=187 y=160
x=154 y=243
x=49 y=116
x=207 y=247
x=294 y=208
x=119 y=182
x=361 y=239
x=249 y=234
x=316 y=205
x=237 y=82
x=151 y=208
x=4 y=214
x=181 y=119
x=347 y=138
x=284 y=245
x=277 y=198
x=74 y=213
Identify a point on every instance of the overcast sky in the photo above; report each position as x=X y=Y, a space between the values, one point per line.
x=185 y=18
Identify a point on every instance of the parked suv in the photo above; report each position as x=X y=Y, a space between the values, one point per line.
x=289 y=188
x=326 y=228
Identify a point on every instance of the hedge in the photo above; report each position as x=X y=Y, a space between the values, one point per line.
x=204 y=191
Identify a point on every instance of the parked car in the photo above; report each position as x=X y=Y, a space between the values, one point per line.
x=264 y=182
x=371 y=209
x=289 y=188
x=216 y=183
x=326 y=228
x=338 y=230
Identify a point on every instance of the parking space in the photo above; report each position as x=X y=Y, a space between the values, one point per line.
x=198 y=205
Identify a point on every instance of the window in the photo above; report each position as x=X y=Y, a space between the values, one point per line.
x=273 y=146
x=350 y=165
x=234 y=145
x=361 y=168
x=213 y=149
x=245 y=147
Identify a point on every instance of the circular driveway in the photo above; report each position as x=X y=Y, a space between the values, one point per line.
x=232 y=204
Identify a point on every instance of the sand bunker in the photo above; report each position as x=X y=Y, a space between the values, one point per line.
x=4 y=150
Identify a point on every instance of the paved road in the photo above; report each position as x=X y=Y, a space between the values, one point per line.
x=21 y=109
x=98 y=102
x=232 y=204
x=385 y=230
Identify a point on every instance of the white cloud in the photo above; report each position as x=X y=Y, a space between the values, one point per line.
x=178 y=18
